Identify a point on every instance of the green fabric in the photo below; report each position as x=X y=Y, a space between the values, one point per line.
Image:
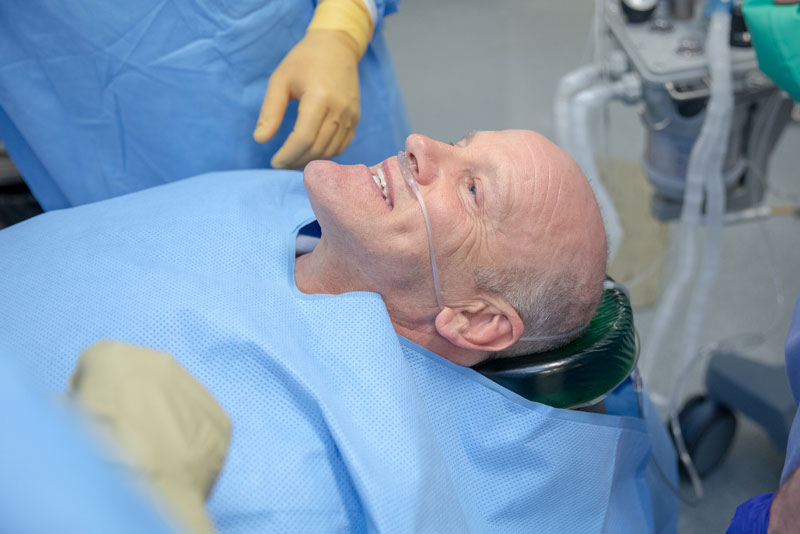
x=580 y=372
x=775 y=31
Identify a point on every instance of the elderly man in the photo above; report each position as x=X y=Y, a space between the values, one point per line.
x=343 y=370
x=515 y=224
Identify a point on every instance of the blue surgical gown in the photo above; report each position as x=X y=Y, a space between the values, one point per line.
x=101 y=98
x=339 y=425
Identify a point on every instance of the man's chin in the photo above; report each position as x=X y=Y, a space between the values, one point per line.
x=319 y=169
x=320 y=179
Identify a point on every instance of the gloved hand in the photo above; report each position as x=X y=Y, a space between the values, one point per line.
x=321 y=71
x=165 y=426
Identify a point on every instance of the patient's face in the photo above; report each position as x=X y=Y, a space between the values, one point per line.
x=492 y=198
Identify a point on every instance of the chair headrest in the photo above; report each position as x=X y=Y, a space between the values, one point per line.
x=581 y=372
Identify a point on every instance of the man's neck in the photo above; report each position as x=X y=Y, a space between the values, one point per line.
x=322 y=271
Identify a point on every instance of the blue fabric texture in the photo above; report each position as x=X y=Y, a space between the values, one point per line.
x=752 y=517
x=54 y=479
x=98 y=98
x=624 y=401
x=792 y=353
x=338 y=424
x=792 y=460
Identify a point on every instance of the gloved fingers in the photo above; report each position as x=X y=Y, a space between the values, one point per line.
x=326 y=136
x=338 y=142
x=346 y=141
x=273 y=108
x=339 y=145
x=310 y=116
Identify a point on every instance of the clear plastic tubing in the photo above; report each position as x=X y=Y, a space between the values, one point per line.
x=406 y=167
x=708 y=163
x=582 y=106
x=704 y=173
x=567 y=87
x=408 y=176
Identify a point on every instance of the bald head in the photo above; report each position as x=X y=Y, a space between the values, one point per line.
x=575 y=234
x=554 y=278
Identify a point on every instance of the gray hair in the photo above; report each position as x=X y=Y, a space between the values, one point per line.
x=548 y=303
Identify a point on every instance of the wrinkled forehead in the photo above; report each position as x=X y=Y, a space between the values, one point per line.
x=541 y=190
x=510 y=141
x=524 y=165
x=518 y=155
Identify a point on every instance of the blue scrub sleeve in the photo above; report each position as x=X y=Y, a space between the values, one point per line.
x=752 y=517
x=388 y=7
x=792 y=352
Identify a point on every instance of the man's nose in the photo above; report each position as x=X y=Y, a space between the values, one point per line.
x=428 y=154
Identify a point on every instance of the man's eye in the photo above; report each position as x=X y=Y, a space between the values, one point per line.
x=473 y=189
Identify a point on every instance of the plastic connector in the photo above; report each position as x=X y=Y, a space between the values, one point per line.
x=631 y=85
x=617 y=64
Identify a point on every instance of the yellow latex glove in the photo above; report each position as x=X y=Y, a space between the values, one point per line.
x=167 y=428
x=321 y=71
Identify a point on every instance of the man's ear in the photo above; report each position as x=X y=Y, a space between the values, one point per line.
x=482 y=324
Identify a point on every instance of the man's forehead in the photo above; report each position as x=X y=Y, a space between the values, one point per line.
x=517 y=143
x=517 y=152
x=513 y=159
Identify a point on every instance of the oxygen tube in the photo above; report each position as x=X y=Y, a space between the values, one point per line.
x=406 y=167
x=408 y=176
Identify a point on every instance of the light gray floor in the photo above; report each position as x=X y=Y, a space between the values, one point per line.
x=472 y=64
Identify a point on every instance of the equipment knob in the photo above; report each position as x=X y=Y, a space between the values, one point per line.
x=637 y=11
